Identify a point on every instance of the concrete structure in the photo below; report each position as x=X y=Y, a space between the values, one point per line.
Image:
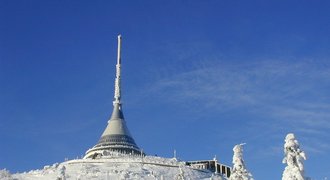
x=211 y=165
x=116 y=137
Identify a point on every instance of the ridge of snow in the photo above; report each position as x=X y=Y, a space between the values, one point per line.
x=126 y=167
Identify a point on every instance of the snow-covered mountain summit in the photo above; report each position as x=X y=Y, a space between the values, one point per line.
x=117 y=156
x=119 y=167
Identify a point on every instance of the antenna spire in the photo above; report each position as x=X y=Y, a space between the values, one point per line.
x=116 y=136
x=118 y=72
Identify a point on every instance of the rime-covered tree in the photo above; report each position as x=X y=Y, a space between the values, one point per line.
x=239 y=171
x=61 y=175
x=217 y=177
x=293 y=157
x=180 y=175
x=5 y=175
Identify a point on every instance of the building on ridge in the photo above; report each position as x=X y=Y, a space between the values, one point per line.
x=116 y=137
x=117 y=140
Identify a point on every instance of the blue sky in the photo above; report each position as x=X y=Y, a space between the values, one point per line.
x=198 y=77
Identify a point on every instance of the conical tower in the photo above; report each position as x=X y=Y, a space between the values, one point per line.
x=116 y=136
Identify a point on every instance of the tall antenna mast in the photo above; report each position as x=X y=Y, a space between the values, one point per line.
x=118 y=72
x=116 y=136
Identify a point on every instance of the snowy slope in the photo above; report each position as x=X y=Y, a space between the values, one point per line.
x=125 y=167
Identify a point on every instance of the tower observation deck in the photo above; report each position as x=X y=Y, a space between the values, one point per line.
x=116 y=136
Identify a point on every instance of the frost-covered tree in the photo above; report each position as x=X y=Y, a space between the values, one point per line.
x=217 y=177
x=5 y=175
x=239 y=171
x=61 y=175
x=180 y=175
x=293 y=157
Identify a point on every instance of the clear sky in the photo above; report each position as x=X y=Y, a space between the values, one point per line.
x=198 y=77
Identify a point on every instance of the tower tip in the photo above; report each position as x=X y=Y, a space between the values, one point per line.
x=118 y=72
